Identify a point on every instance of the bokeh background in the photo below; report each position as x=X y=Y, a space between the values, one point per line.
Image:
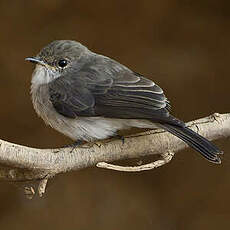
x=184 y=47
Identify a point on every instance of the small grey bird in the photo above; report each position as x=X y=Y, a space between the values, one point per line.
x=88 y=96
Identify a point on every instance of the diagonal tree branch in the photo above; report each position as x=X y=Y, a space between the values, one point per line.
x=21 y=163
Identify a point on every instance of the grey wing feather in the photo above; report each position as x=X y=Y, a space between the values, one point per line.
x=68 y=99
x=106 y=88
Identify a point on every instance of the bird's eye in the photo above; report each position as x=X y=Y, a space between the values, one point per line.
x=62 y=63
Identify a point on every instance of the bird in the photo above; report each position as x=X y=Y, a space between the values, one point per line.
x=88 y=96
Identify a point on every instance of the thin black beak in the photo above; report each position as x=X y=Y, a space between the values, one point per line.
x=35 y=60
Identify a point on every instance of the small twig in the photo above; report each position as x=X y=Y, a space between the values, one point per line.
x=165 y=159
x=42 y=186
x=29 y=192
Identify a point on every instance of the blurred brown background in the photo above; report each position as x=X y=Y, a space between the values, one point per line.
x=183 y=46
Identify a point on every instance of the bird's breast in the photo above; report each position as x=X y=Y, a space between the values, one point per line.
x=84 y=128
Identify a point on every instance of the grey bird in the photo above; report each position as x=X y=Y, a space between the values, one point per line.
x=87 y=96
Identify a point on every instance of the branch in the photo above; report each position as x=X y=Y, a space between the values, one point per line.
x=166 y=157
x=21 y=163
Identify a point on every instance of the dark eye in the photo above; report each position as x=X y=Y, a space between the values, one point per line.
x=62 y=63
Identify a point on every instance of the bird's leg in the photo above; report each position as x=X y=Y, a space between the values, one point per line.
x=74 y=145
x=122 y=138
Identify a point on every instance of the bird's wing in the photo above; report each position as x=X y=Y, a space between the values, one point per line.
x=110 y=90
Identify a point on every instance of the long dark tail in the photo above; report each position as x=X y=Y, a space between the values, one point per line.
x=194 y=140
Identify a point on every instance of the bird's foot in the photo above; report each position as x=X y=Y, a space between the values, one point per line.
x=122 y=138
x=74 y=145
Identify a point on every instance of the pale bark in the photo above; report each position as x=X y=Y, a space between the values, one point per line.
x=21 y=163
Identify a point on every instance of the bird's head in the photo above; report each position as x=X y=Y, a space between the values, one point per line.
x=57 y=58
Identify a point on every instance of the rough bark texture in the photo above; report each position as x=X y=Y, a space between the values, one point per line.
x=21 y=163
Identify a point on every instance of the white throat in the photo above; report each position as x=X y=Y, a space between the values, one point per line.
x=41 y=76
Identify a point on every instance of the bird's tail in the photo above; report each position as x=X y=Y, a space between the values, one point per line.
x=194 y=140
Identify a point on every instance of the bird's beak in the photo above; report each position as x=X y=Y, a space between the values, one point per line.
x=35 y=60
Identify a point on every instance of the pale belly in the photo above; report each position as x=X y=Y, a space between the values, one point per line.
x=81 y=128
x=93 y=128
